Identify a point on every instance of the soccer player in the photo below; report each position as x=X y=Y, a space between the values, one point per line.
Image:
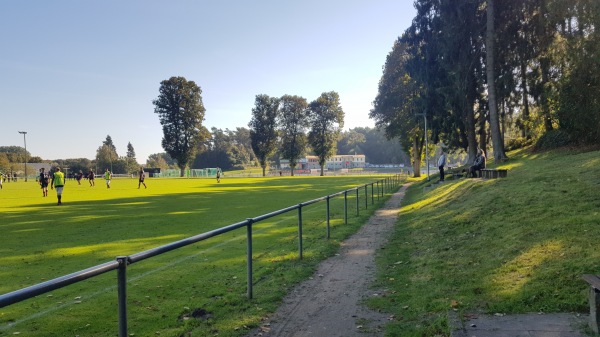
x=79 y=176
x=58 y=181
x=44 y=181
x=142 y=176
x=107 y=176
x=91 y=178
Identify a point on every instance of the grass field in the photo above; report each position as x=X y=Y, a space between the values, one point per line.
x=42 y=241
x=512 y=245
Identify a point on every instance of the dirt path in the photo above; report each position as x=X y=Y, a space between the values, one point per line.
x=329 y=303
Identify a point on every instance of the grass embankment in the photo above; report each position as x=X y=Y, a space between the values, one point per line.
x=513 y=245
x=199 y=290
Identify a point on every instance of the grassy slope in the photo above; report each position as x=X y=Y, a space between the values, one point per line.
x=42 y=241
x=510 y=245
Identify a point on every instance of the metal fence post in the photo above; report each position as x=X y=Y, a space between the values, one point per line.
x=373 y=193
x=357 y=207
x=122 y=294
x=378 y=192
x=249 y=256
x=328 y=228
x=346 y=207
x=300 y=231
x=366 y=196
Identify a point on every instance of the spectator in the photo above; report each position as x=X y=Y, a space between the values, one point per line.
x=442 y=163
x=478 y=164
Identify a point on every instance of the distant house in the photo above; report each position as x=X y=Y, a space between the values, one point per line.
x=346 y=161
x=336 y=162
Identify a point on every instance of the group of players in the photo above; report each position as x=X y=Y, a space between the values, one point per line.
x=57 y=181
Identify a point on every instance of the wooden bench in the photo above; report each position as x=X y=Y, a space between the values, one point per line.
x=493 y=173
x=594 y=299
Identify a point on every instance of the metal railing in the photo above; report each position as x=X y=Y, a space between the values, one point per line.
x=121 y=262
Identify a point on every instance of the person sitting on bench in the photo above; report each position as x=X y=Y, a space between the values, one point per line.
x=478 y=164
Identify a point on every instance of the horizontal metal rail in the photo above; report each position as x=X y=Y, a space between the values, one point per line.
x=57 y=283
x=121 y=262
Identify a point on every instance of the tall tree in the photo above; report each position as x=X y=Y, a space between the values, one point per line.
x=293 y=122
x=579 y=98
x=396 y=101
x=105 y=157
x=497 y=140
x=181 y=112
x=326 y=119
x=109 y=142
x=131 y=161
x=263 y=128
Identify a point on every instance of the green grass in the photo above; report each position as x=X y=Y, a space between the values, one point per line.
x=512 y=245
x=42 y=241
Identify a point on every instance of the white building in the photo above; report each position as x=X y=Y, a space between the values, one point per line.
x=336 y=162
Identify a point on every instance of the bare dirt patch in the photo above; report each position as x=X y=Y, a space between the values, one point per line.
x=329 y=303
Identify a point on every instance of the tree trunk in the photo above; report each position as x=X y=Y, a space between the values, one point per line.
x=417 y=151
x=483 y=136
x=471 y=138
x=264 y=169
x=545 y=68
x=524 y=128
x=497 y=141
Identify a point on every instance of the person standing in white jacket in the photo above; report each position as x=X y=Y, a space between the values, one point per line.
x=441 y=163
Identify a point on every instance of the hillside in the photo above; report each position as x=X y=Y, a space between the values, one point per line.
x=512 y=245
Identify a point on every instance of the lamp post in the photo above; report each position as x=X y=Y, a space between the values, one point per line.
x=25 y=143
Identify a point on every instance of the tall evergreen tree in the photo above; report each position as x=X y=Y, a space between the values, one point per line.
x=397 y=100
x=131 y=161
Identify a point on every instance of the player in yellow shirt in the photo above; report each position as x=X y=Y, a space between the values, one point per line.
x=58 y=181
x=107 y=176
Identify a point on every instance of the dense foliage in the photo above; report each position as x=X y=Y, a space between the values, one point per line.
x=263 y=128
x=493 y=70
x=326 y=119
x=293 y=123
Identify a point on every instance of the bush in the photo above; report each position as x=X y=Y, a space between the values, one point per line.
x=518 y=143
x=553 y=139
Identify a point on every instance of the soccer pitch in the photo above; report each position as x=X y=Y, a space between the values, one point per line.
x=43 y=241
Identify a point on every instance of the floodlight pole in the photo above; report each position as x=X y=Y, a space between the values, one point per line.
x=25 y=143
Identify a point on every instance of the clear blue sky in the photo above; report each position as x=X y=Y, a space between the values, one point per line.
x=72 y=72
